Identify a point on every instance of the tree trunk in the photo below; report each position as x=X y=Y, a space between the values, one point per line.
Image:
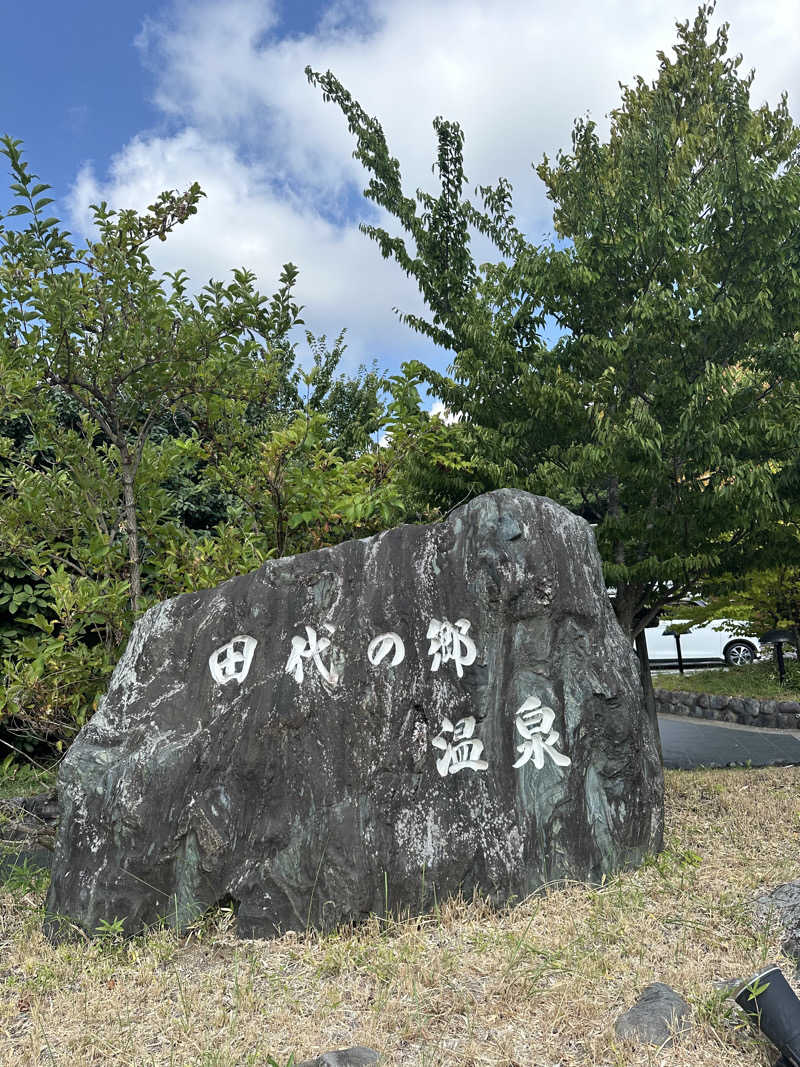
x=624 y=603
x=131 y=533
x=625 y=600
x=640 y=642
x=280 y=522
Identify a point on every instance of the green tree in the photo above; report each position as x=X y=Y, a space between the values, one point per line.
x=95 y=323
x=765 y=590
x=668 y=406
x=153 y=442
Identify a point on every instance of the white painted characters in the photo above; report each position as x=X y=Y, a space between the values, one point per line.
x=464 y=751
x=534 y=721
x=380 y=647
x=450 y=642
x=311 y=648
x=460 y=749
x=231 y=662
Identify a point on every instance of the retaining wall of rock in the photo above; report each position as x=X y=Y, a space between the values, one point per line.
x=747 y=711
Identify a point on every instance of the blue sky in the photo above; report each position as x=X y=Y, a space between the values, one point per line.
x=81 y=87
x=118 y=101
x=68 y=97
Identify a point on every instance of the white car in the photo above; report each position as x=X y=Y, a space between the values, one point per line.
x=709 y=642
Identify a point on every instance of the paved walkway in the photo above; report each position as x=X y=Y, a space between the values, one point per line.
x=688 y=743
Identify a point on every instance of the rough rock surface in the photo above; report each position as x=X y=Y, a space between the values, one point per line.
x=656 y=1018
x=357 y=1056
x=782 y=905
x=437 y=709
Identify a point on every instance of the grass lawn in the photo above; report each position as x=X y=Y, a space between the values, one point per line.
x=537 y=985
x=758 y=679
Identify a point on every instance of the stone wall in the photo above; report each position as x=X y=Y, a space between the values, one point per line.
x=747 y=711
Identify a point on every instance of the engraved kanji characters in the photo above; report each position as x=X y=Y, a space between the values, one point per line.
x=534 y=722
x=311 y=647
x=464 y=751
x=231 y=662
x=449 y=641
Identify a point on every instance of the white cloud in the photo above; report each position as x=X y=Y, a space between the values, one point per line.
x=442 y=412
x=242 y=222
x=276 y=162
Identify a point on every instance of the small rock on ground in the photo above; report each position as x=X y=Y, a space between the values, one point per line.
x=656 y=1017
x=783 y=904
x=358 y=1056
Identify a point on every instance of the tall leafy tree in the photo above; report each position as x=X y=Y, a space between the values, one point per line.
x=153 y=441
x=668 y=406
x=96 y=323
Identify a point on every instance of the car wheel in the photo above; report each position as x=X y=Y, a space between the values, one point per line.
x=738 y=653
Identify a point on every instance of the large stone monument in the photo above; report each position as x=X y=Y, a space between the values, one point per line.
x=438 y=709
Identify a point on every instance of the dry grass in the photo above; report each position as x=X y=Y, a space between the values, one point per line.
x=538 y=985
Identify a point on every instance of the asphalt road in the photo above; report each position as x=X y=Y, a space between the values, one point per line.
x=688 y=743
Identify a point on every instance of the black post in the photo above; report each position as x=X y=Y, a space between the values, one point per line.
x=779 y=658
x=680 y=654
x=773 y=1008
